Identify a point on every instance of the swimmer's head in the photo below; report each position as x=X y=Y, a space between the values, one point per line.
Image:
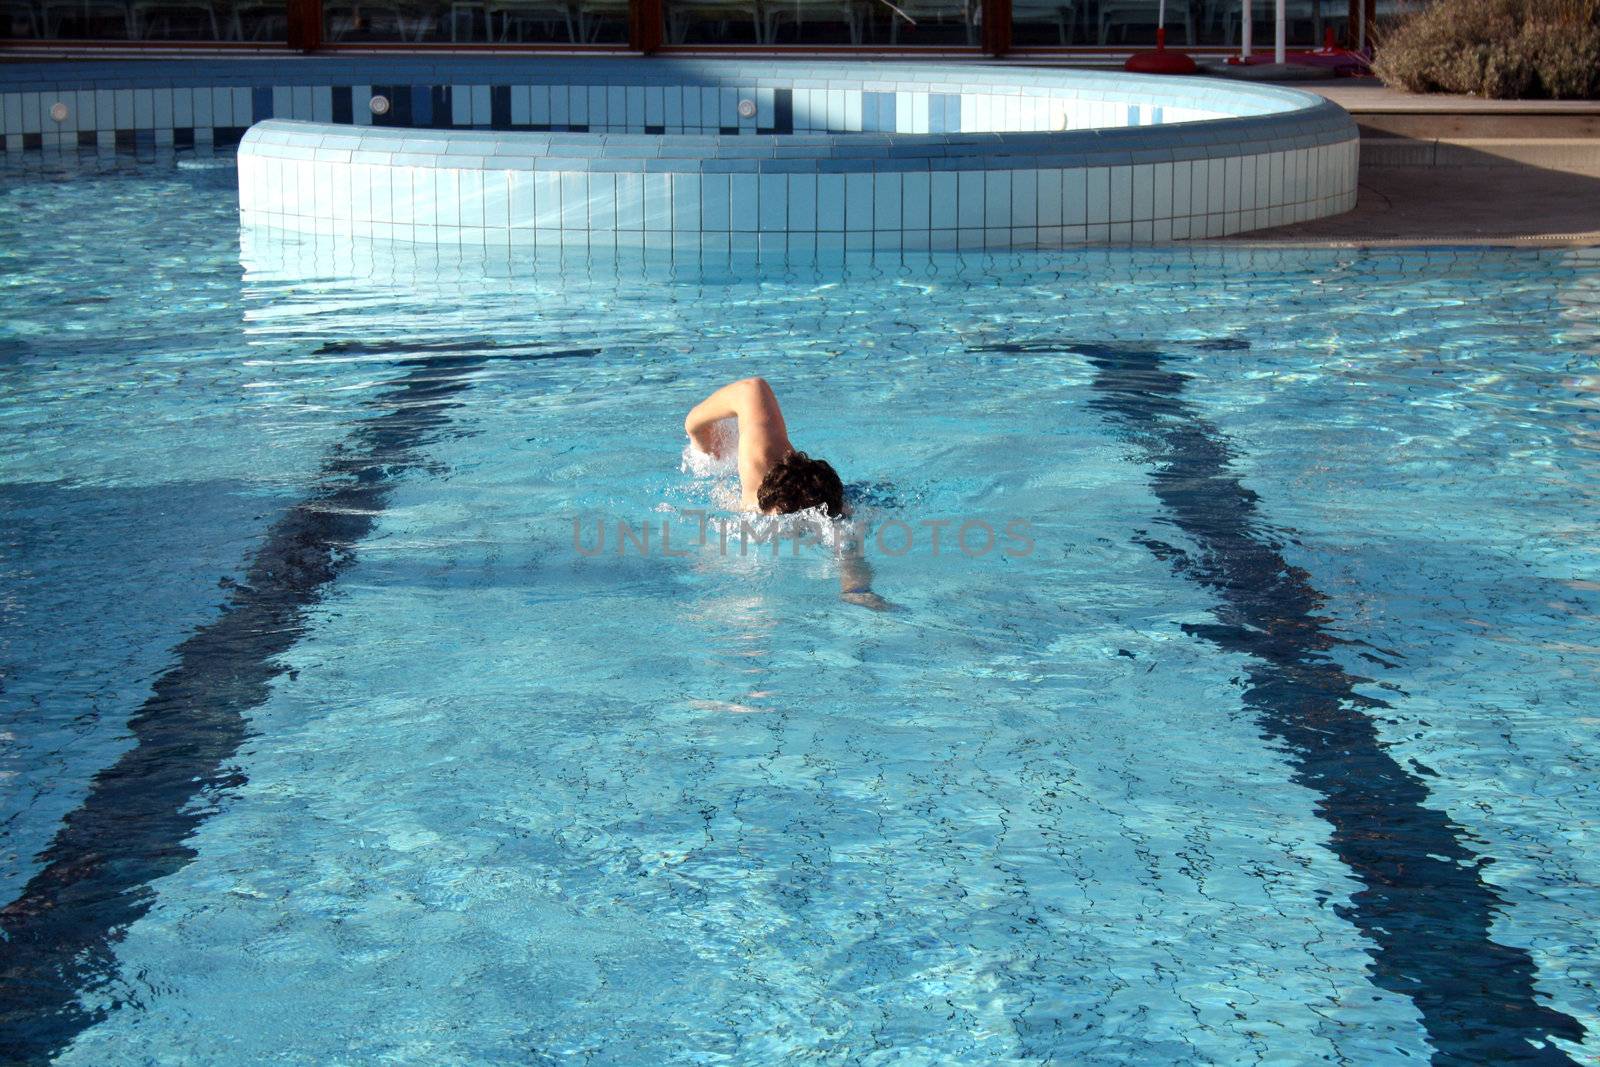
x=797 y=482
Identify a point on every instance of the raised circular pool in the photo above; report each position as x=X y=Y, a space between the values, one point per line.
x=784 y=156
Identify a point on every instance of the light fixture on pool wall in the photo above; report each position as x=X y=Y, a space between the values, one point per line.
x=378 y=105
x=59 y=112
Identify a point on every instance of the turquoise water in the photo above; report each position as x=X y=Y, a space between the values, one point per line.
x=324 y=741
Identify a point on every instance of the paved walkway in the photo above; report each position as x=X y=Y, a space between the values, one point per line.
x=1492 y=201
x=1513 y=204
x=1357 y=95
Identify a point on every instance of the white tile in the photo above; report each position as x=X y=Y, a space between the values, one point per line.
x=221 y=106
x=361 y=104
x=630 y=201
x=914 y=193
x=496 y=199
x=547 y=199
x=857 y=202
x=1097 y=195
x=1025 y=197
x=597 y=104
x=446 y=195
x=1232 y=183
x=521 y=109
x=836 y=118
x=282 y=102
x=1161 y=179
x=575 y=200
x=942 y=199
x=424 y=196
x=321 y=103
x=1216 y=171
x=379 y=188
x=1048 y=212
x=774 y=202
x=744 y=208
x=655 y=106
x=482 y=106
x=11 y=114
x=105 y=111
x=886 y=201
x=766 y=108
x=402 y=197
x=852 y=111
x=560 y=101
x=520 y=206
x=602 y=202
x=1183 y=178
x=681 y=210
x=539 y=105
x=802 y=203
x=714 y=206
x=124 y=105
x=830 y=202
x=636 y=109
x=243 y=106
x=672 y=109
x=997 y=198
x=144 y=109
x=1121 y=188
x=919 y=113
x=460 y=105
x=201 y=101
x=614 y=107
x=1144 y=191
x=969 y=198
x=301 y=103
x=82 y=109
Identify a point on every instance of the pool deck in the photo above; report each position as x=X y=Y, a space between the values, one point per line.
x=1440 y=169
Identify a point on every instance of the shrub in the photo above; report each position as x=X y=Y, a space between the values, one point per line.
x=1496 y=48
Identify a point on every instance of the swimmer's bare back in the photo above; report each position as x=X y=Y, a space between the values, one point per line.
x=764 y=444
x=763 y=435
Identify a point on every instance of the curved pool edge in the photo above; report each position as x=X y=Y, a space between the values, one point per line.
x=770 y=179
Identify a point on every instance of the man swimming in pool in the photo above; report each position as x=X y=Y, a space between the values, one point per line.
x=774 y=477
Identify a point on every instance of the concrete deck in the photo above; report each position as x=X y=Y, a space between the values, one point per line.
x=1439 y=169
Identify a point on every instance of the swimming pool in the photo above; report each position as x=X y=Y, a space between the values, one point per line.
x=325 y=742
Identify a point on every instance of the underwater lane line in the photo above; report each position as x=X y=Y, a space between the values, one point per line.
x=1424 y=907
x=133 y=826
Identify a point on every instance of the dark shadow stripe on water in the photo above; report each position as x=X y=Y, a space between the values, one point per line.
x=1424 y=904
x=133 y=826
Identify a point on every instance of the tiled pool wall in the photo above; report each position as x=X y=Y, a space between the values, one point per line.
x=710 y=155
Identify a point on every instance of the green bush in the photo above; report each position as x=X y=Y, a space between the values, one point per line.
x=1506 y=49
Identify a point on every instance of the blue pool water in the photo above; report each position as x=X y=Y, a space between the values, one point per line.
x=323 y=742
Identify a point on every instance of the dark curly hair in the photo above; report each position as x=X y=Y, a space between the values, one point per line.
x=797 y=482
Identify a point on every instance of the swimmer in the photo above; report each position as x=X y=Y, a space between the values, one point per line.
x=775 y=478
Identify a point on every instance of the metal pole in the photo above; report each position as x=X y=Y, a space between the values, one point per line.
x=1245 y=27
x=1280 y=33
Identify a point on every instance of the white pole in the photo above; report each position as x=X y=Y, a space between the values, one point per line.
x=1246 y=25
x=1280 y=34
x=1161 y=14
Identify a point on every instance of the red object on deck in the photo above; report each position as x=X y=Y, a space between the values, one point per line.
x=1160 y=61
